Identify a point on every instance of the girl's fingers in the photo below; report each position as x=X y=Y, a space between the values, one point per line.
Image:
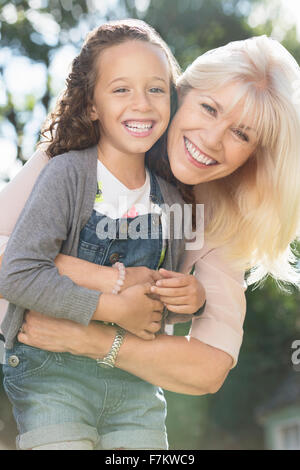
x=157 y=317
x=146 y=335
x=175 y=300
x=156 y=275
x=169 y=291
x=181 y=281
x=179 y=308
x=158 y=306
x=166 y=273
x=154 y=327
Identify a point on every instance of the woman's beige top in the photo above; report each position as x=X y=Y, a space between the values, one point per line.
x=220 y=326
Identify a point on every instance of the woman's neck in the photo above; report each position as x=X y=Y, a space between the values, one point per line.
x=129 y=169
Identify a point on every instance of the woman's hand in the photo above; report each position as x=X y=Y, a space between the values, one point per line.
x=59 y=335
x=49 y=333
x=181 y=293
x=140 y=275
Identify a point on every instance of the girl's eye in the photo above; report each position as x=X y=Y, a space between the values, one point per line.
x=241 y=135
x=209 y=109
x=121 y=90
x=156 y=90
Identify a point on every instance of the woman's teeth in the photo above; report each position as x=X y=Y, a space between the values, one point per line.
x=196 y=154
x=138 y=126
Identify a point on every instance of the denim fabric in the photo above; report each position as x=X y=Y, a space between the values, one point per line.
x=118 y=244
x=61 y=397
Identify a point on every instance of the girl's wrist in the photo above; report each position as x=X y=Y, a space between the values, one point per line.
x=107 y=277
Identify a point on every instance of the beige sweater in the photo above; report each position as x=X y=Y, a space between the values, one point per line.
x=220 y=326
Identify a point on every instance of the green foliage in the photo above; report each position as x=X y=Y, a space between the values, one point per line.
x=228 y=419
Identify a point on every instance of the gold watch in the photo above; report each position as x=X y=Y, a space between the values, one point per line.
x=108 y=362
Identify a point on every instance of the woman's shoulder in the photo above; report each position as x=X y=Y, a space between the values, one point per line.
x=171 y=194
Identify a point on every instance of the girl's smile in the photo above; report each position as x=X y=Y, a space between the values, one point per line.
x=131 y=100
x=139 y=128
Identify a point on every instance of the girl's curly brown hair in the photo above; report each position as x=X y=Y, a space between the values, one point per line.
x=69 y=126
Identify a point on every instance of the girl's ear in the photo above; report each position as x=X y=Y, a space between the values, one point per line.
x=93 y=113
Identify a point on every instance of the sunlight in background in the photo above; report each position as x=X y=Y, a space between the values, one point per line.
x=26 y=81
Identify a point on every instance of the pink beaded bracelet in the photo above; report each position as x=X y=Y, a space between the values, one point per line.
x=120 y=281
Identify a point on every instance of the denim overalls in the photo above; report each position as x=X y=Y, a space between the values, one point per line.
x=118 y=245
x=108 y=408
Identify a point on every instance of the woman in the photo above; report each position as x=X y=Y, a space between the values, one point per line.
x=236 y=140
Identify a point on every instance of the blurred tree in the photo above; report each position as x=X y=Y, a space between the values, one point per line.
x=227 y=419
x=195 y=26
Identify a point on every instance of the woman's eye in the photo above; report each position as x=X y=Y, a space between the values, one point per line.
x=241 y=135
x=209 y=109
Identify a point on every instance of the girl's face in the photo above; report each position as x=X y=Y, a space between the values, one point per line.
x=205 y=141
x=131 y=97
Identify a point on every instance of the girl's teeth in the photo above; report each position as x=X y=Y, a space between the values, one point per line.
x=196 y=154
x=138 y=126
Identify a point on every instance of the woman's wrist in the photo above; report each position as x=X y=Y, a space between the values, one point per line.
x=93 y=341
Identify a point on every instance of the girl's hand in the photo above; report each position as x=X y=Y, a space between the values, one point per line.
x=181 y=293
x=140 y=275
x=138 y=311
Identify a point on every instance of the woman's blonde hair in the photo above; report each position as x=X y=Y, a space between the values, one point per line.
x=255 y=211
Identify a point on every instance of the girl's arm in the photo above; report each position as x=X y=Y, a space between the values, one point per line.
x=196 y=364
x=12 y=200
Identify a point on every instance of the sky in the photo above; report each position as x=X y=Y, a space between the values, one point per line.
x=34 y=75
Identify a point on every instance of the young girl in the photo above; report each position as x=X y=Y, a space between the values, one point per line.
x=115 y=108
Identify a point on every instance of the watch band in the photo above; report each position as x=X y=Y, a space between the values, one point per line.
x=108 y=362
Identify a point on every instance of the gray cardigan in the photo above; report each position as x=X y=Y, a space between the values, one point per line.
x=58 y=207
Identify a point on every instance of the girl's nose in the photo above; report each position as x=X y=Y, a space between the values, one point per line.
x=141 y=102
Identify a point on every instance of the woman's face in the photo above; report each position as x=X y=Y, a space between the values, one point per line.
x=205 y=141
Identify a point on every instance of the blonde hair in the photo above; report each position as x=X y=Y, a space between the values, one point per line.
x=254 y=212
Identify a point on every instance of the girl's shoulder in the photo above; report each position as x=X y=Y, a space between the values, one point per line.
x=81 y=161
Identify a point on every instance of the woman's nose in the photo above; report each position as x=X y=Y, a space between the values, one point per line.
x=213 y=136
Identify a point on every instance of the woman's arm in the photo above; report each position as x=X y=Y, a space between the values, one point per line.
x=179 y=364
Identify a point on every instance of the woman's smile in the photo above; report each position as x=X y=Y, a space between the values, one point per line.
x=204 y=135
x=197 y=156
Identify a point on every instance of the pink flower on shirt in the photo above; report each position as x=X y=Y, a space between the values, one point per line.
x=131 y=213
